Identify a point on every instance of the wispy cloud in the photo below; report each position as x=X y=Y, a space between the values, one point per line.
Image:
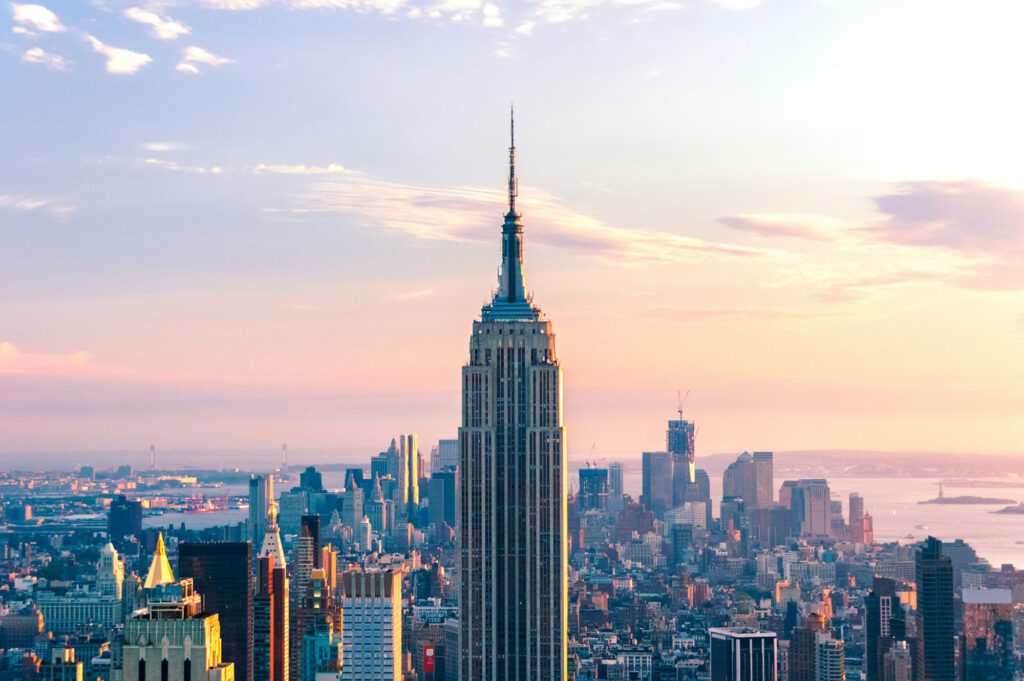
x=38 y=55
x=283 y=169
x=119 y=60
x=468 y=214
x=178 y=167
x=162 y=147
x=25 y=204
x=15 y=361
x=415 y=295
x=32 y=19
x=193 y=57
x=981 y=221
x=163 y=27
x=799 y=226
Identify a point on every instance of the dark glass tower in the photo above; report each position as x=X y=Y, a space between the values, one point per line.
x=934 y=573
x=512 y=503
x=125 y=520
x=593 y=493
x=221 y=573
x=743 y=655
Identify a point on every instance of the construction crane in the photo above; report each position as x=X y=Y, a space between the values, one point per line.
x=682 y=401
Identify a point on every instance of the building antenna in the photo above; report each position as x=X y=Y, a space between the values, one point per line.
x=513 y=182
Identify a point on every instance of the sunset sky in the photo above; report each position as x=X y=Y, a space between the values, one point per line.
x=236 y=223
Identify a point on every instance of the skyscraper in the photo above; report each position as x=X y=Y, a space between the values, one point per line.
x=856 y=518
x=934 y=573
x=410 y=476
x=615 y=488
x=125 y=519
x=679 y=443
x=447 y=455
x=657 y=482
x=221 y=573
x=261 y=493
x=513 y=605
x=274 y=589
x=372 y=636
x=986 y=647
x=881 y=606
x=739 y=654
x=593 y=494
x=764 y=480
x=442 y=497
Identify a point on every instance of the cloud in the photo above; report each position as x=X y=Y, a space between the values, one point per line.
x=26 y=204
x=415 y=295
x=15 y=361
x=33 y=18
x=194 y=56
x=164 y=28
x=737 y=4
x=982 y=222
x=469 y=214
x=796 y=226
x=38 y=55
x=280 y=169
x=177 y=167
x=162 y=147
x=492 y=16
x=119 y=60
x=503 y=50
x=723 y=314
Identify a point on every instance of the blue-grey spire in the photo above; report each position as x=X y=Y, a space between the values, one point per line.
x=511 y=301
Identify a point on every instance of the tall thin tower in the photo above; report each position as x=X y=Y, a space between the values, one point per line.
x=512 y=514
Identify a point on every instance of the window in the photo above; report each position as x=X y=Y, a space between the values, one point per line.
x=164 y=672
x=187 y=674
x=142 y=670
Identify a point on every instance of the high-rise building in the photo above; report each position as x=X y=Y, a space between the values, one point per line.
x=263 y=651
x=593 y=494
x=273 y=588
x=372 y=635
x=856 y=518
x=304 y=557
x=934 y=574
x=811 y=506
x=657 y=482
x=740 y=654
x=881 y=606
x=441 y=489
x=615 y=488
x=222 y=574
x=125 y=519
x=447 y=455
x=321 y=645
x=311 y=479
x=764 y=480
x=408 y=452
x=110 y=573
x=513 y=570
x=679 y=444
x=829 y=658
x=352 y=507
x=261 y=492
x=172 y=638
x=986 y=646
x=803 y=649
x=897 y=663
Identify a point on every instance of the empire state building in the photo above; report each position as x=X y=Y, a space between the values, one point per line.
x=512 y=509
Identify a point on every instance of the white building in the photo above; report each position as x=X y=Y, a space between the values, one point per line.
x=372 y=634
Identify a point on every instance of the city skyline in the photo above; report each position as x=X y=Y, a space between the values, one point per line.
x=178 y=271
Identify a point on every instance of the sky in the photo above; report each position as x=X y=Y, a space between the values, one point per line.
x=227 y=224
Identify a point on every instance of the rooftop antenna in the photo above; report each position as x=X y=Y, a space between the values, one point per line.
x=152 y=457
x=513 y=183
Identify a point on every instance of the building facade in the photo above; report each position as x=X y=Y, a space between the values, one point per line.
x=513 y=566
x=372 y=633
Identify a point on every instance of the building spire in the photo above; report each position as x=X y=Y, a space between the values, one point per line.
x=513 y=183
